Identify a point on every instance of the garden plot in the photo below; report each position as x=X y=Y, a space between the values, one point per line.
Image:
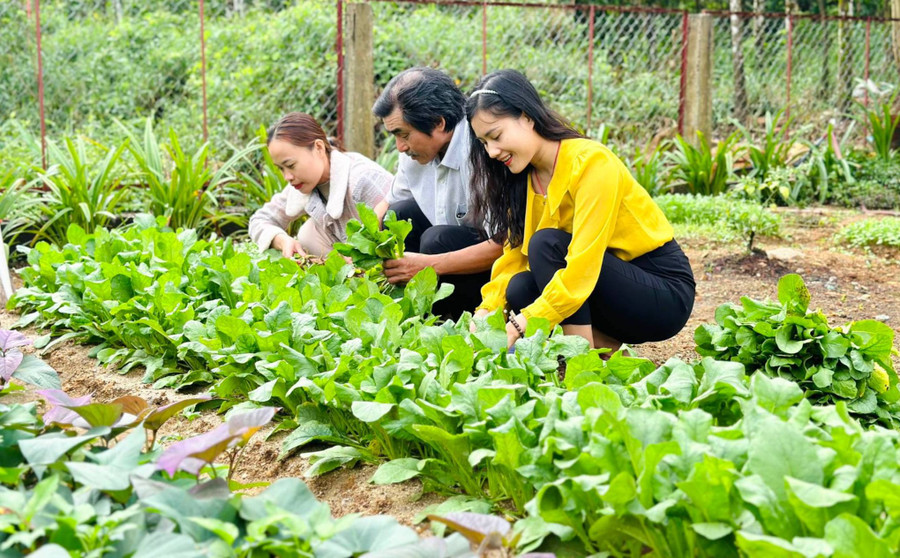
x=846 y=286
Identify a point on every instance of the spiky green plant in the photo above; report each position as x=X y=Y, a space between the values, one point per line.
x=702 y=171
x=775 y=149
x=257 y=179
x=78 y=190
x=646 y=168
x=883 y=126
x=182 y=186
x=17 y=205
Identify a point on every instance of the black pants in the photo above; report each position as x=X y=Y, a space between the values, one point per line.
x=649 y=298
x=426 y=238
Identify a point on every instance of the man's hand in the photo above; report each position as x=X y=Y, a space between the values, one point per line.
x=288 y=246
x=405 y=268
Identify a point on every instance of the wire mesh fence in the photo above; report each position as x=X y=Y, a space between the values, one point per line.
x=811 y=68
x=623 y=74
x=637 y=72
x=130 y=60
x=620 y=68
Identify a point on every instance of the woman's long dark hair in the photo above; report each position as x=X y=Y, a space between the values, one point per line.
x=496 y=192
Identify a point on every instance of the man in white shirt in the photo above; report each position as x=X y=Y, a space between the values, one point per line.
x=425 y=112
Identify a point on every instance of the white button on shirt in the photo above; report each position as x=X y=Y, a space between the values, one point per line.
x=441 y=187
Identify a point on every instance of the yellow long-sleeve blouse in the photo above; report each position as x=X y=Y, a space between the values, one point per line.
x=593 y=197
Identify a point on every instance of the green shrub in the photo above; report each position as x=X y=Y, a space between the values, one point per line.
x=877 y=186
x=786 y=186
x=871 y=232
x=721 y=214
x=18 y=206
x=870 y=194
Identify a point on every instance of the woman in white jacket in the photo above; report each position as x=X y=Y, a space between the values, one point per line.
x=323 y=182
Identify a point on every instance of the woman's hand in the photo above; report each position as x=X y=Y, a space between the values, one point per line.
x=479 y=314
x=512 y=334
x=288 y=245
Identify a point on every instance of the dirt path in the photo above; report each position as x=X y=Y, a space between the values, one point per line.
x=845 y=286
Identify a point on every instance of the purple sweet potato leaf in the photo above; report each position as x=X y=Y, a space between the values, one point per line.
x=134 y=409
x=58 y=410
x=474 y=526
x=247 y=423
x=132 y=405
x=158 y=417
x=188 y=454
x=10 y=339
x=99 y=414
x=8 y=364
x=192 y=465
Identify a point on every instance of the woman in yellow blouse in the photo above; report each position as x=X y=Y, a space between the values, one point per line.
x=587 y=247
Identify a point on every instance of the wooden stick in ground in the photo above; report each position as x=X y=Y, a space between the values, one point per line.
x=6 y=289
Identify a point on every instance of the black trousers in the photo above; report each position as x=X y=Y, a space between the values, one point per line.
x=426 y=238
x=649 y=298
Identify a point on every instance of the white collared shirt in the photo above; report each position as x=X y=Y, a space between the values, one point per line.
x=351 y=173
x=440 y=187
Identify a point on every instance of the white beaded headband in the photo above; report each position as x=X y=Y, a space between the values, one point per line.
x=491 y=91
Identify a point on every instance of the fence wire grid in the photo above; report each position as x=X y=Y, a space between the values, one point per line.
x=598 y=66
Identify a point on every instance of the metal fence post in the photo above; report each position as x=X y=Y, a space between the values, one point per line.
x=484 y=37
x=698 y=78
x=866 y=75
x=339 y=49
x=203 y=70
x=685 y=38
x=360 y=81
x=590 y=84
x=790 y=57
x=40 y=82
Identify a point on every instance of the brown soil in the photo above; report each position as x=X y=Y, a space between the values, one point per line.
x=844 y=285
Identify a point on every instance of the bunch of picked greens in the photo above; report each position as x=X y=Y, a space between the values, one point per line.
x=784 y=339
x=368 y=244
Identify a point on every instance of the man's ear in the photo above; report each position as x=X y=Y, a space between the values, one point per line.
x=442 y=125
